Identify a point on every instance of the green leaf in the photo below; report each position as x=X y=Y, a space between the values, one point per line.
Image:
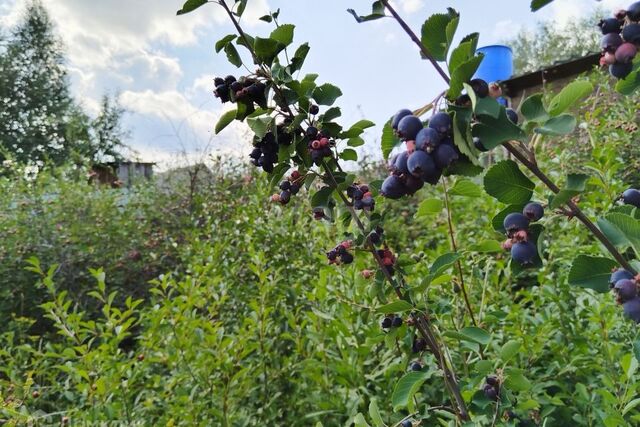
x=377 y=12
x=407 y=387
x=374 y=413
x=626 y=228
x=224 y=120
x=321 y=197
x=330 y=114
x=443 y=262
x=559 y=125
x=515 y=380
x=266 y=49
x=569 y=95
x=629 y=406
x=430 y=207
x=464 y=187
x=355 y=141
x=463 y=74
x=539 y=4
x=220 y=44
x=575 y=185
x=487 y=246
x=591 y=272
x=629 y=84
x=495 y=131
x=398 y=306
x=299 y=57
x=362 y=124
x=242 y=4
x=359 y=421
x=190 y=6
x=462 y=53
x=507 y=183
x=326 y=94
x=389 y=140
x=533 y=109
x=509 y=350
x=283 y=34
x=349 y=154
x=232 y=55
x=259 y=125
x=475 y=334
x=437 y=33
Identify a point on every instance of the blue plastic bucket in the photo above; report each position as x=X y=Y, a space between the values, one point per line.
x=497 y=63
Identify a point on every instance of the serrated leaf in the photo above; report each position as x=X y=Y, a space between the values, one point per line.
x=190 y=6
x=575 y=185
x=463 y=74
x=389 y=140
x=533 y=109
x=331 y=114
x=462 y=53
x=326 y=94
x=220 y=44
x=476 y=334
x=429 y=207
x=627 y=227
x=558 y=125
x=437 y=33
x=464 y=187
x=283 y=34
x=224 y=120
x=591 y=272
x=399 y=306
x=407 y=387
x=493 y=132
x=299 y=57
x=462 y=138
x=377 y=12
x=509 y=349
x=362 y=124
x=266 y=49
x=355 y=141
x=259 y=125
x=515 y=380
x=349 y=154
x=569 y=95
x=508 y=184
x=232 y=55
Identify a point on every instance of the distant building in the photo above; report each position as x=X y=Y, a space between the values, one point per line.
x=121 y=174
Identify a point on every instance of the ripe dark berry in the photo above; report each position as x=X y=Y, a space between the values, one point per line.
x=427 y=139
x=631 y=197
x=409 y=127
x=285 y=196
x=610 y=25
x=229 y=79
x=512 y=115
x=620 y=70
x=441 y=122
x=610 y=42
x=218 y=81
x=398 y=116
x=236 y=86
x=421 y=164
x=419 y=344
x=256 y=153
x=633 y=11
x=416 y=366
x=515 y=222
x=407 y=423
x=392 y=187
x=397 y=322
x=631 y=309
x=386 y=323
x=267 y=167
x=492 y=380
x=626 y=289
x=524 y=253
x=401 y=162
x=285 y=185
x=444 y=155
x=412 y=184
x=222 y=92
x=619 y=274
x=346 y=258
x=480 y=87
x=294 y=188
x=314 y=109
x=533 y=211
x=626 y=52
x=374 y=237
x=478 y=144
x=312 y=132
x=490 y=392
x=463 y=100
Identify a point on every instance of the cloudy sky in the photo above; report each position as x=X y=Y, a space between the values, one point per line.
x=162 y=65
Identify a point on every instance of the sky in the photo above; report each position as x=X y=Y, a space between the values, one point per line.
x=162 y=66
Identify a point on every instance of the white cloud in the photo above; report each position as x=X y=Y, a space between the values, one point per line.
x=408 y=6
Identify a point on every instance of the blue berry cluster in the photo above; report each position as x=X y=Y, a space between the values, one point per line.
x=340 y=254
x=361 y=197
x=516 y=225
x=620 y=40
